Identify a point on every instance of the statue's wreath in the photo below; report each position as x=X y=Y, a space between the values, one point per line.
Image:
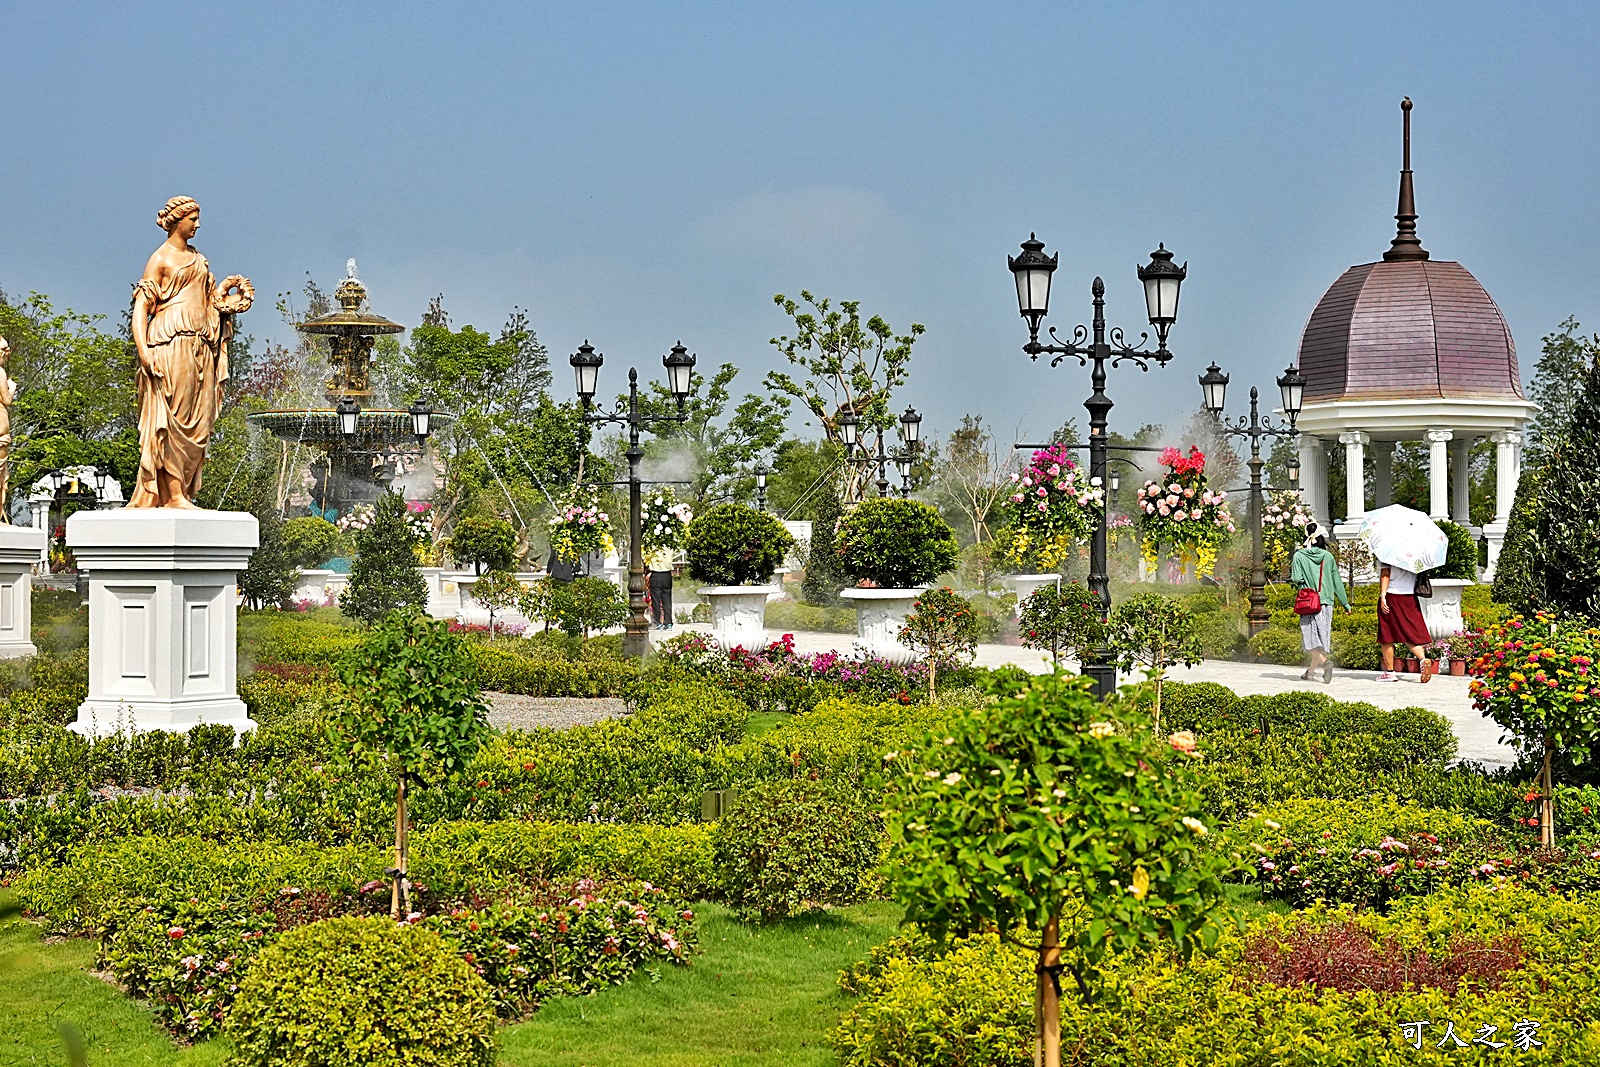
x=234 y=295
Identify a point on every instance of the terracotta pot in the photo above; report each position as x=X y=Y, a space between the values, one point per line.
x=1413 y=665
x=1458 y=668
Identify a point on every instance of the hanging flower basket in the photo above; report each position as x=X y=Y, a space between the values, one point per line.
x=663 y=520
x=1182 y=513
x=579 y=526
x=1054 y=504
x=1284 y=519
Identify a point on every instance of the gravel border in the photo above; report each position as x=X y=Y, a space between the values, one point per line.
x=512 y=711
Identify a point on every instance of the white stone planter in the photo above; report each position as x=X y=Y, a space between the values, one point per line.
x=1442 y=610
x=880 y=613
x=738 y=614
x=1025 y=585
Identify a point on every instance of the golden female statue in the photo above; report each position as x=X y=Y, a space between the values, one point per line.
x=182 y=323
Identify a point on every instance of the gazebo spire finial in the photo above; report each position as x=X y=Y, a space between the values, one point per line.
x=1405 y=244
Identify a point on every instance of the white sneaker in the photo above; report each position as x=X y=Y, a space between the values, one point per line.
x=1388 y=676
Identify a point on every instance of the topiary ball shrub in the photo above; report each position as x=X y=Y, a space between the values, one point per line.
x=789 y=847
x=895 y=544
x=731 y=544
x=1461 y=558
x=362 y=991
x=1277 y=644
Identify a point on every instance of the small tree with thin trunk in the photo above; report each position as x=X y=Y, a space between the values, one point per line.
x=1065 y=824
x=1157 y=632
x=1537 y=679
x=416 y=709
x=498 y=591
x=943 y=628
x=1061 y=620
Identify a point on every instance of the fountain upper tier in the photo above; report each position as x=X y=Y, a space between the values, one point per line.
x=350 y=332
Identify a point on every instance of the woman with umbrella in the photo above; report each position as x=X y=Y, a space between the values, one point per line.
x=1406 y=543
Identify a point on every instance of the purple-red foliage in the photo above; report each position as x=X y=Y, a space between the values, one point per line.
x=1343 y=956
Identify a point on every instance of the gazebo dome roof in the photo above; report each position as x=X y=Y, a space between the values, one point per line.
x=1408 y=327
x=1412 y=328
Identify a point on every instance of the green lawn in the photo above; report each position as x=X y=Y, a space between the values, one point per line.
x=46 y=985
x=754 y=995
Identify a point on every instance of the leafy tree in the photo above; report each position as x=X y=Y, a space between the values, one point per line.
x=468 y=370
x=716 y=454
x=586 y=604
x=849 y=366
x=943 y=628
x=483 y=544
x=1514 y=580
x=1064 y=824
x=416 y=709
x=824 y=573
x=311 y=540
x=1565 y=358
x=803 y=474
x=1061 y=620
x=385 y=576
x=895 y=543
x=497 y=590
x=269 y=578
x=1154 y=631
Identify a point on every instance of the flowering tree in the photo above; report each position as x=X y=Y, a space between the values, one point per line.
x=1537 y=679
x=1183 y=511
x=1054 y=504
x=579 y=527
x=943 y=628
x=1283 y=527
x=1061 y=620
x=1060 y=822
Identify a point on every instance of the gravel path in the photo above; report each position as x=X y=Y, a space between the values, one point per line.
x=511 y=711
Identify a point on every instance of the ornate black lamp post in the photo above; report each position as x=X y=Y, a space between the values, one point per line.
x=1162 y=281
x=878 y=456
x=761 y=473
x=586 y=368
x=1213 y=392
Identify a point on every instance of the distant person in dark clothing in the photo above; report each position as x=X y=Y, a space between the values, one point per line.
x=559 y=569
x=659 y=563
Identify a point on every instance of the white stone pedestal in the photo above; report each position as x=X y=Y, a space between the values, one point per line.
x=880 y=613
x=1442 y=610
x=738 y=615
x=20 y=547
x=162 y=617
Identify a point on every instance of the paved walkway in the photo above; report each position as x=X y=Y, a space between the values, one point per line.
x=1478 y=737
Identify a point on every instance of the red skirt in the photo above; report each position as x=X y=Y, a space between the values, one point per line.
x=1403 y=623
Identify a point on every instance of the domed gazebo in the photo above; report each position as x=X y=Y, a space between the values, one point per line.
x=1410 y=349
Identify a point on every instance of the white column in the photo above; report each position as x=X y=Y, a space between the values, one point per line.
x=1314 y=476
x=1460 y=481
x=1438 y=471
x=1507 y=468
x=1355 y=483
x=1382 y=473
x=1355 y=474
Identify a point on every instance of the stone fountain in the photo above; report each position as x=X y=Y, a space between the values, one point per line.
x=360 y=442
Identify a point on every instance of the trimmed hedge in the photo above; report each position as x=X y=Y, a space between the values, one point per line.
x=509 y=672
x=1270 y=987
x=364 y=976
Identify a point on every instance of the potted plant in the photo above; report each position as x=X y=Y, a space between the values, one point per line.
x=1053 y=506
x=892 y=548
x=1442 y=610
x=579 y=528
x=1182 y=511
x=734 y=549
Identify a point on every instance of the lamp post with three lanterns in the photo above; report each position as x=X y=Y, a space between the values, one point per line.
x=1162 y=280
x=1213 y=394
x=586 y=364
x=857 y=450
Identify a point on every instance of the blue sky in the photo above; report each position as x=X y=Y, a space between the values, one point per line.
x=634 y=174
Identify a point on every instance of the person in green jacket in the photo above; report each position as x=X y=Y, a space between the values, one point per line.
x=1315 y=568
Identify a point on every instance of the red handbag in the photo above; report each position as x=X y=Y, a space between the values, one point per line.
x=1309 y=601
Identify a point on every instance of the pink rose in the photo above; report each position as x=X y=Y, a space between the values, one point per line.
x=1043 y=506
x=1188 y=492
x=1164 y=509
x=1055 y=469
x=1043 y=491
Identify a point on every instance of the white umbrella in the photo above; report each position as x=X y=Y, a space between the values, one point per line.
x=1403 y=537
